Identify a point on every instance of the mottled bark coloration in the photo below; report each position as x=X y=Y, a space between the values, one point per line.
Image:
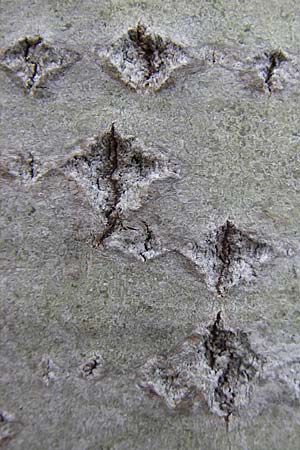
x=149 y=173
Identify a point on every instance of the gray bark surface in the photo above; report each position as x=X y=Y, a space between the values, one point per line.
x=149 y=225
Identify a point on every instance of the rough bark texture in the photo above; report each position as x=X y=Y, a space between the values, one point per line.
x=149 y=221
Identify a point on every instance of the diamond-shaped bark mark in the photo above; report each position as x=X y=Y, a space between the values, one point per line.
x=32 y=60
x=215 y=365
x=276 y=58
x=49 y=372
x=228 y=257
x=229 y=355
x=136 y=239
x=269 y=67
x=145 y=61
x=24 y=167
x=93 y=368
x=116 y=175
x=271 y=71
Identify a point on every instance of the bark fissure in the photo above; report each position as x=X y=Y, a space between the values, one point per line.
x=116 y=176
x=149 y=47
x=145 y=60
x=227 y=257
x=216 y=366
x=224 y=252
x=32 y=60
x=275 y=58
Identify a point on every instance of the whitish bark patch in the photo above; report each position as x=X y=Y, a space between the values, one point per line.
x=32 y=60
x=145 y=61
x=217 y=365
x=228 y=257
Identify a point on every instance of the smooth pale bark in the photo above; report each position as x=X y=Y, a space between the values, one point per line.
x=112 y=279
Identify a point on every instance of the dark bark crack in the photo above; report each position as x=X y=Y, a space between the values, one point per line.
x=117 y=177
x=112 y=224
x=149 y=46
x=30 y=45
x=31 y=59
x=275 y=59
x=113 y=143
x=89 y=367
x=224 y=249
x=230 y=256
x=93 y=368
x=31 y=162
x=149 y=237
x=112 y=214
x=234 y=348
x=148 y=240
x=32 y=77
x=145 y=60
x=214 y=368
